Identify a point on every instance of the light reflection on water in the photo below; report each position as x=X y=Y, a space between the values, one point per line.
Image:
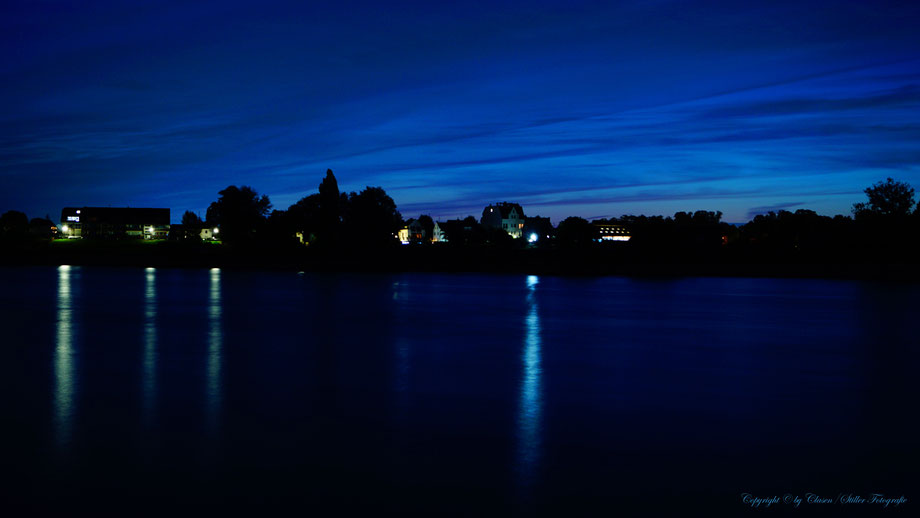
x=401 y=295
x=215 y=346
x=531 y=395
x=150 y=345
x=64 y=376
x=402 y=353
x=754 y=364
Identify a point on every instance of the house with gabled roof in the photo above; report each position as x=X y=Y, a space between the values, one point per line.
x=506 y=216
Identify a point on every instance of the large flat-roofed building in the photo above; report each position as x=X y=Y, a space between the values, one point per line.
x=612 y=232
x=114 y=223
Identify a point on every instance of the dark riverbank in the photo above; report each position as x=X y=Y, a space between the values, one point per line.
x=605 y=260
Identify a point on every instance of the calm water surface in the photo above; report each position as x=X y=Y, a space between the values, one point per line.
x=169 y=391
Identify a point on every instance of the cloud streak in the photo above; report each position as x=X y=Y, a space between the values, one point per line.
x=627 y=108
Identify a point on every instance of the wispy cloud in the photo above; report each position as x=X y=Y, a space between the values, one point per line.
x=638 y=106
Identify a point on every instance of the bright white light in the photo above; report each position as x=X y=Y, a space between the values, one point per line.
x=64 y=373
x=150 y=346
x=530 y=406
x=215 y=352
x=532 y=238
x=65 y=228
x=216 y=230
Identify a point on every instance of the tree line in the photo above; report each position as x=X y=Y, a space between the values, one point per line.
x=328 y=218
x=886 y=223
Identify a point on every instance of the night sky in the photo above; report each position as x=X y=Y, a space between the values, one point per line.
x=567 y=108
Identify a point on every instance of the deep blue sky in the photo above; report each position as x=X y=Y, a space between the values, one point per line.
x=568 y=108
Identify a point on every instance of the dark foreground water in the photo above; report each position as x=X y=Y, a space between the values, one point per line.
x=174 y=392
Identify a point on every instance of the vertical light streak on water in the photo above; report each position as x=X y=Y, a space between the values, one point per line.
x=400 y=436
x=530 y=407
x=150 y=345
x=402 y=366
x=64 y=376
x=401 y=382
x=215 y=347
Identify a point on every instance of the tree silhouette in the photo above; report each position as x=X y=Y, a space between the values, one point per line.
x=372 y=218
x=575 y=232
x=191 y=226
x=330 y=209
x=784 y=233
x=280 y=229
x=463 y=232
x=190 y=219
x=239 y=213
x=14 y=224
x=698 y=230
x=427 y=225
x=888 y=198
x=304 y=217
x=41 y=228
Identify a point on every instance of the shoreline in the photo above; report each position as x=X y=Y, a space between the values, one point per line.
x=557 y=262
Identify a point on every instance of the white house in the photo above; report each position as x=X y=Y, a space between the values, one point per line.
x=506 y=216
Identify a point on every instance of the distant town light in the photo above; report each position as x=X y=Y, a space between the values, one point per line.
x=532 y=238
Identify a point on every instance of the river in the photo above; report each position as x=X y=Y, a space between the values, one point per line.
x=170 y=391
